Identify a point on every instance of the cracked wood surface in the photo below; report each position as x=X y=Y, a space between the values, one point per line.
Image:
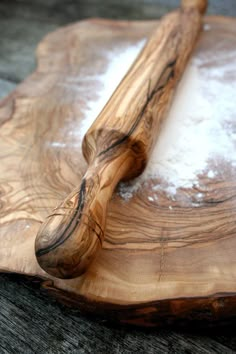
x=156 y=263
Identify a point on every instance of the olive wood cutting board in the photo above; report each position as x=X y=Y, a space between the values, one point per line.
x=158 y=265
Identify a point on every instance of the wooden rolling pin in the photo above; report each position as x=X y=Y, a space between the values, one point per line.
x=119 y=143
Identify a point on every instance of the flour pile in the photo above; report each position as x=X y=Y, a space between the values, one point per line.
x=199 y=130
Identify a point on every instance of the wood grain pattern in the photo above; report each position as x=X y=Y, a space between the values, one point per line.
x=118 y=144
x=185 y=258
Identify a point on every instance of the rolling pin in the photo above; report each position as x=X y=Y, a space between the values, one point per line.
x=118 y=144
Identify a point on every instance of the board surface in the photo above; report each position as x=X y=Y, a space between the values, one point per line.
x=158 y=264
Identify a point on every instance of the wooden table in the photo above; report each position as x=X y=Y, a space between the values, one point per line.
x=31 y=322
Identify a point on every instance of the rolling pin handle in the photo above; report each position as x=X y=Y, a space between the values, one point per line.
x=201 y=5
x=69 y=240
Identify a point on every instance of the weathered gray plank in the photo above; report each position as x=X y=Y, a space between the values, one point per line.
x=18 y=42
x=30 y=322
x=6 y=87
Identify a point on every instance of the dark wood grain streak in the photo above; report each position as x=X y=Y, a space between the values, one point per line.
x=150 y=96
x=74 y=219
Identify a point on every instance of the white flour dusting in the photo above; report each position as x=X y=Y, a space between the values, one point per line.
x=119 y=61
x=199 y=129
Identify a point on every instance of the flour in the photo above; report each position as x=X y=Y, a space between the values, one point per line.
x=199 y=130
x=119 y=61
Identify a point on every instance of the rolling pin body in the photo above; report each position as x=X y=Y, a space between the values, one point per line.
x=119 y=143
